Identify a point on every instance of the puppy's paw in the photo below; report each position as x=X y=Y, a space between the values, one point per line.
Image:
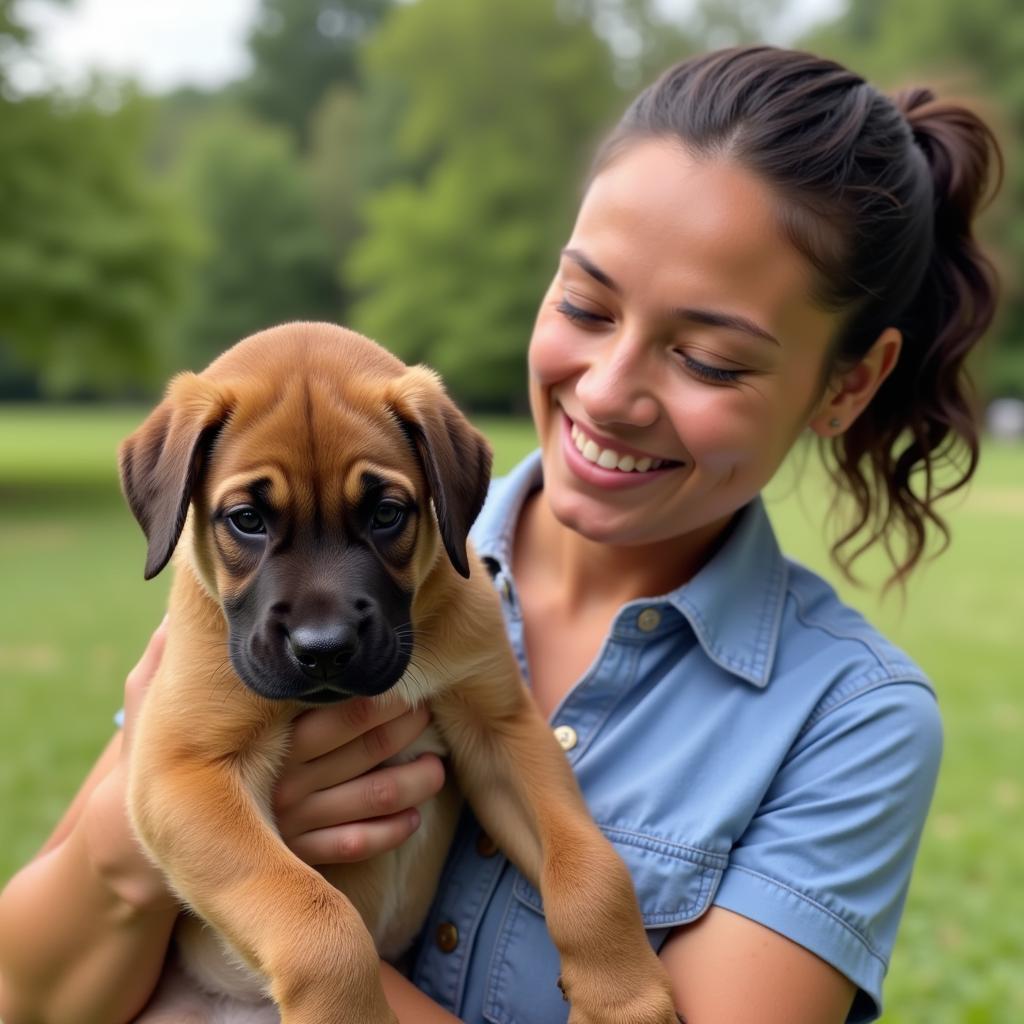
x=630 y=1000
x=320 y=1016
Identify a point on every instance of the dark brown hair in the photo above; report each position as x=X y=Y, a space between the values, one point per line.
x=878 y=193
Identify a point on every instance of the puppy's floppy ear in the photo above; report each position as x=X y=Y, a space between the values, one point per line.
x=455 y=457
x=160 y=462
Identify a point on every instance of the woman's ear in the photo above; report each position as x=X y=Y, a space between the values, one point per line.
x=850 y=391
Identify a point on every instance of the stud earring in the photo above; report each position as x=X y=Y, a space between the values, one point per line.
x=834 y=423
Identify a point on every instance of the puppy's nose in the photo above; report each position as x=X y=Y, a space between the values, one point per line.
x=323 y=651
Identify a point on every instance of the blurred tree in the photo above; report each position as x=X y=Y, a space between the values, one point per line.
x=300 y=49
x=734 y=22
x=265 y=257
x=478 y=138
x=959 y=49
x=12 y=34
x=338 y=174
x=93 y=253
x=644 y=36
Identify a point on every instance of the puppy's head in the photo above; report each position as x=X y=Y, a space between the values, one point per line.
x=326 y=482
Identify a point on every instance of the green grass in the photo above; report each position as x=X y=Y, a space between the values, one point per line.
x=75 y=614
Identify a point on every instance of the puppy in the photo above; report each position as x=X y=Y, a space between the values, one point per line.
x=319 y=494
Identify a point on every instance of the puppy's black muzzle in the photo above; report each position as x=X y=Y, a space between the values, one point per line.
x=321 y=629
x=322 y=653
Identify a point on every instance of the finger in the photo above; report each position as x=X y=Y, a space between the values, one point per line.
x=345 y=844
x=321 y=730
x=139 y=678
x=376 y=794
x=354 y=758
x=145 y=668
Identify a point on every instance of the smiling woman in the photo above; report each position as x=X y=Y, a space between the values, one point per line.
x=767 y=246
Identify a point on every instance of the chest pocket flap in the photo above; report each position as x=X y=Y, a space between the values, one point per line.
x=674 y=883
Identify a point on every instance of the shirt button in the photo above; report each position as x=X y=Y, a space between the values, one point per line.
x=566 y=736
x=649 y=619
x=446 y=937
x=485 y=845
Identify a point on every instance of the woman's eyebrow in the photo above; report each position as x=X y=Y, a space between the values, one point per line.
x=594 y=271
x=712 y=318
x=707 y=317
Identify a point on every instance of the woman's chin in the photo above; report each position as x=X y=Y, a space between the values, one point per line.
x=593 y=521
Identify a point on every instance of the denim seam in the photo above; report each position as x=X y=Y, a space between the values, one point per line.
x=771 y=613
x=492 y=1010
x=857 y=688
x=612 y=701
x=709 y=878
x=666 y=847
x=803 y=615
x=861 y=938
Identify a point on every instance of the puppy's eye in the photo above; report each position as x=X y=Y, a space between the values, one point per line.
x=247 y=520
x=388 y=517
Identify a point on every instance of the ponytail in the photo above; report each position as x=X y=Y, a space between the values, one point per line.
x=918 y=440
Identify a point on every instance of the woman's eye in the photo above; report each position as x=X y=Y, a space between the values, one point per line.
x=388 y=516
x=248 y=521
x=580 y=316
x=714 y=374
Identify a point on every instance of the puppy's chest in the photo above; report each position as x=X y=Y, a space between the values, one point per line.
x=393 y=891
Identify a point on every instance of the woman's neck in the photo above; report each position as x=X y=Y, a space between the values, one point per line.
x=578 y=573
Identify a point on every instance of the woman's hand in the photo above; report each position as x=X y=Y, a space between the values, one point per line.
x=114 y=850
x=332 y=803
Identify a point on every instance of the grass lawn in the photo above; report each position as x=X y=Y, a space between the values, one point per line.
x=75 y=614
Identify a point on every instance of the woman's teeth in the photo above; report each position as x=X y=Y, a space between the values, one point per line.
x=607 y=458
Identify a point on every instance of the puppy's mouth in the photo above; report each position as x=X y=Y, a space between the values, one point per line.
x=274 y=675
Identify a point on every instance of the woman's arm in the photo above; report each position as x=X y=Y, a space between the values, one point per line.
x=76 y=942
x=411 y=1006
x=84 y=927
x=728 y=969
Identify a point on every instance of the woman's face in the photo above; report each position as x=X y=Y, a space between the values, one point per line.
x=677 y=355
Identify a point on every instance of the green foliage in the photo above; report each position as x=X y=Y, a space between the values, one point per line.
x=93 y=253
x=1003 y=370
x=338 y=174
x=971 y=50
x=410 y=167
x=265 y=258
x=13 y=34
x=493 y=107
x=300 y=49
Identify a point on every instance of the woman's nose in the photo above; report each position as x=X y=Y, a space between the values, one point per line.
x=619 y=386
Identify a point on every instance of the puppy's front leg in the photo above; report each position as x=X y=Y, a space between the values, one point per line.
x=201 y=824
x=523 y=792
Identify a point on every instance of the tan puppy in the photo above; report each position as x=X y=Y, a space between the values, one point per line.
x=323 y=492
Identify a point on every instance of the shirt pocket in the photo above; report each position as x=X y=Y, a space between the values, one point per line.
x=674 y=883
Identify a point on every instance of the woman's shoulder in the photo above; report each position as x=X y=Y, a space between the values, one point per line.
x=822 y=637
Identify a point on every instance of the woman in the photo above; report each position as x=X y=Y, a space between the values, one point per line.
x=767 y=245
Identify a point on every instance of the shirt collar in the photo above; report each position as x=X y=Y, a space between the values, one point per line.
x=733 y=604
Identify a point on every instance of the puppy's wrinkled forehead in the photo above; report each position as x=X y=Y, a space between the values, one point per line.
x=312 y=445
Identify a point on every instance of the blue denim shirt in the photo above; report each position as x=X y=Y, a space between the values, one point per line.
x=745 y=741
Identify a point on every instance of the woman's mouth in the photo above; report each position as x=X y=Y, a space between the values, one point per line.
x=605 y=466
x=609 y=458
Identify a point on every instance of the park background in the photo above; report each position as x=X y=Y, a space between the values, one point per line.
x=412 y=169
